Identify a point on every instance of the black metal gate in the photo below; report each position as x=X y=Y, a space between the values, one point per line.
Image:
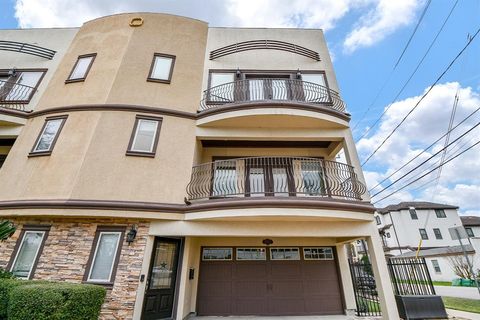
x=408 y=276
x=365 y=289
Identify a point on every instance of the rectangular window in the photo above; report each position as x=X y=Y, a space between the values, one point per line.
x=251 y=254
x=81 y=68
x=440 y=213
x=379 y=221
x=423 y=234
x=413 y=214
x=285 y=253
x=161 y=69
x=28 y=250
x=216 y=254
x=470 y=232
x=48 y=136
x=107 y=245
x=438 y=234
x=145 y=136
x=436 y=266
x=319 y=253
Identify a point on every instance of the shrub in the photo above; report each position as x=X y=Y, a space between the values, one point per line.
x=4 y=274
x=6 y=286
x=41 y=300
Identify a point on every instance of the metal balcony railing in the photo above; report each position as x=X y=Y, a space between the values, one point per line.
x=251 y=90
x=15 y=96
x=274 y=176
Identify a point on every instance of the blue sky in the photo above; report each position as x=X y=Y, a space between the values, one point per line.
x=365 y=38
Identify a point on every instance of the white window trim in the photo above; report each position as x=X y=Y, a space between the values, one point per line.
x=290 y=248
x=89 y=279
x=318 y=259
x=20 y=250
x=264 y=258
x=43 y=132
x=231 y=254
x=136 y=134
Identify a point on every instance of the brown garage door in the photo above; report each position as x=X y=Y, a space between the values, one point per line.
x=268 y=281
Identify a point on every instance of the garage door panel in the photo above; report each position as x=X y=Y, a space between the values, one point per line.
x=317 y=270
x=328 y=305
x=251 y=270
x=215 y=288
x=250 y=288
x=250 y=306
x=286 y=306
x=215 y=306
x=286 y=270
x=285 y=288
x=323 y=287
x=216 y=270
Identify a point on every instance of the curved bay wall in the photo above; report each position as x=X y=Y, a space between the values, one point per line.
x=89 y=159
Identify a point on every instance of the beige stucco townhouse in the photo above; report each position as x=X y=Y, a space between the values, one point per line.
x=190 y=170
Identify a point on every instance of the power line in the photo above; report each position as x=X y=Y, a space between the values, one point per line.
x=425 y=161
x=427 y=148
x=423 y=96
x=441 y=165
x=410 y=77
x=413 y=33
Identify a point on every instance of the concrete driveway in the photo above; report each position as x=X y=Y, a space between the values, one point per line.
x=459 y=292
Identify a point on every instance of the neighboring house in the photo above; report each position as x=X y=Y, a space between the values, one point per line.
x=28 y=60
x=471 y=225
x=224 y=203
x=404 y=225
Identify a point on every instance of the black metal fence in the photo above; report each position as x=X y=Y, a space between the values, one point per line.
x=365 y=289
x=408 y=276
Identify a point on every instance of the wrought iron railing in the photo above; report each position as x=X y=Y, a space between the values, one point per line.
x=274 y=176
x=15 y=96
x=271 y=90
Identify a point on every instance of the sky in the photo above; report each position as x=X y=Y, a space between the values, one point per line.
x=366 y=39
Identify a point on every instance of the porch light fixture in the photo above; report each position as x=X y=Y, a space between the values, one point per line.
x=299 y=74
x=267 y=242
x=238 y=73
x=132 y=234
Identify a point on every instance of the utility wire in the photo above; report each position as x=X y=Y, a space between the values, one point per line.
x=410 y=78
x=425 y=161
x=440 y=165
x=413 y=33
x=423 y=97
x=427 y=148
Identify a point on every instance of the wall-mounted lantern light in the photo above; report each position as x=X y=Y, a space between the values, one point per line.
x=132 y=234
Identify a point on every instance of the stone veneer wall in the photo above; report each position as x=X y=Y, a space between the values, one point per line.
x=66 y=251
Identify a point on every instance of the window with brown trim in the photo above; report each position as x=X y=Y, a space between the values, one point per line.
x=440 y=213
x=438 y=233
x=27 y=251
x=48 y=136
x=19 y=85
x=423 y=234
x=105 y=255
x=81 y=68
x=161 y=69
x=145 y=135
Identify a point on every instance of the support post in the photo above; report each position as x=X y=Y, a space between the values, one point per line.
x=382 y=278
x=347 y=284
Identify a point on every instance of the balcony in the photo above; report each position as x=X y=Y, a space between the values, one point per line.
x=274 y=177
x=271 y=90
x=15 y=96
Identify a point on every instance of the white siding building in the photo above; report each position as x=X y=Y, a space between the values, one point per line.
x=406 y=226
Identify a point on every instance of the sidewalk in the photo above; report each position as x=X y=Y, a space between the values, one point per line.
x=459 y=292
x=455 y=314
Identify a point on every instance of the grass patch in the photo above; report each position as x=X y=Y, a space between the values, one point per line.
x=369 y=305
x=442 y=283
x=462 y=304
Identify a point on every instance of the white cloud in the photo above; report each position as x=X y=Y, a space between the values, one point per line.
x=460 y=181
x=380 y=22
x=378 y=17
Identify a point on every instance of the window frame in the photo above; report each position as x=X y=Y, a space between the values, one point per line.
x=469 y=231
x=422 y=234
x=93 y=253
x=436 y=266
x=249 y=248
x=16 y=250
x=442 y=213
x=217 y=248
x=413 y=213
x=332 y=252
x=35 y=88
x=170 y=74
x=48 y=152
x=297 y=249
x=437 y=233
x=378 y=220
x=152 y=153
x=88 y=55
